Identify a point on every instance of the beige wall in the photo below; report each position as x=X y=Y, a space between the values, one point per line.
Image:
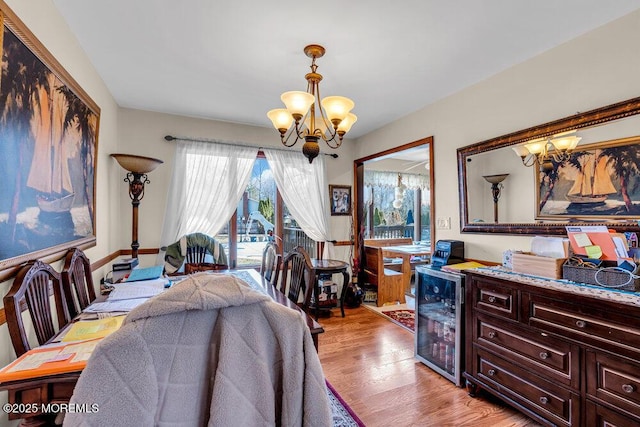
x=142 y=132
x=596 y=69
x=43 y=20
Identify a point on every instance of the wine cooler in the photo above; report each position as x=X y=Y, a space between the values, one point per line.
x=439 y=325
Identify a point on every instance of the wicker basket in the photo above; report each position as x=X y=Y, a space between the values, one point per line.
x=608 y=278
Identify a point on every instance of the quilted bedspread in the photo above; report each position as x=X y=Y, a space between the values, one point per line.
x=209 y=351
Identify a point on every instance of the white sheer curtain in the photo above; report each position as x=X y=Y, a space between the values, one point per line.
x=305 y=191
x=207 y=183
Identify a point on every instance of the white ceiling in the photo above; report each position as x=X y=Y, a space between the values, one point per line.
x=231 y=60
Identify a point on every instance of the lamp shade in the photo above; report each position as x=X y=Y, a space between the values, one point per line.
x=495 y=179
x=337 y=107
x=347 y=122
x=521 y=150
x=536 y=146
x=564 y=143
x=137 y=164
x=297 y=102
x=281 y=118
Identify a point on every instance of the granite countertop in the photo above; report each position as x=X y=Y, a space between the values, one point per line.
x=616 y=295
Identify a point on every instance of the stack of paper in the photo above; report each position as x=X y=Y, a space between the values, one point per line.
x=83 y=330
x=597 y=242
x=49 y=360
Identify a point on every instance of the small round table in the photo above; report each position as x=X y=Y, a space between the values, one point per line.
x=330 y=266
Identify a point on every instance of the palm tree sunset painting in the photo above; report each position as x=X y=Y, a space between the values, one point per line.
x=596 y=181
x=48 y=142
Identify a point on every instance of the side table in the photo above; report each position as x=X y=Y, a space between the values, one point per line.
x=330 y=266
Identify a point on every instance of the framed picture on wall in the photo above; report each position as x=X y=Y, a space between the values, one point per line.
x=597 y=181
x=49 y=133
x=340 y=196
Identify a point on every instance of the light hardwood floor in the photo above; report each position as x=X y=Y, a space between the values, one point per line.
x=369 y=361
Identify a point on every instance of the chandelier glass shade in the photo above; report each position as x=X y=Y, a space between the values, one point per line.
x=306 y=118
x=542 y=151
x=399 y=193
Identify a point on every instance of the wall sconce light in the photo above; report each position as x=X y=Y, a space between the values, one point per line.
x=541 y=151
x=137 y=168
x=496 y=186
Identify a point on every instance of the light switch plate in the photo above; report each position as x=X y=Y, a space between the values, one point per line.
x=443 y=223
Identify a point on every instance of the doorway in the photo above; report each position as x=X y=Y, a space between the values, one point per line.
x=393 y=195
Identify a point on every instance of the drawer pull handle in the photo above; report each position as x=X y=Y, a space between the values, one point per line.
x=492 y=299
x=491 y=372
x=628 y=388
x=544 y=355
x=492 y=334
x=544 y=400
x=581 y=323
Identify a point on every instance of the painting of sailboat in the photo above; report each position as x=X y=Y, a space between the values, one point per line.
x=48 y=143
x=597 y=181
x=49 y=170
x=593 y=183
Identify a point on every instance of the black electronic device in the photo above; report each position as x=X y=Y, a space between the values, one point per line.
x=448 y=252
x=125 y=264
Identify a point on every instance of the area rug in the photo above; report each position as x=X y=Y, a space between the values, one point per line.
x=404 y=318
x=343 y=415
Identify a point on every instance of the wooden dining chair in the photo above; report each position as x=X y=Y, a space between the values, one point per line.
x=199 y=245
x=271 y=262
x=31 y=290
x=77 y=281
x=297 y=277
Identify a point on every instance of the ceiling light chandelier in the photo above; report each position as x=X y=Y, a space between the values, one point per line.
x=399 y=193
x=330 y=119
x=541 y=151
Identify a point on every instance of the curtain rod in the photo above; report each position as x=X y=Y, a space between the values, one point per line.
x=179 y=138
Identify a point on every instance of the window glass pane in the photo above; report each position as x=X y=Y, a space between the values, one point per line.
x=392 y=205
x=294 y=236
x=256 y=221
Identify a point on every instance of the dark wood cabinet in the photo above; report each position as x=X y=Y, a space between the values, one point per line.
x=562 y=357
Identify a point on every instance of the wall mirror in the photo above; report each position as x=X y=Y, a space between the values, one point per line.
x=393 y=194
x=498 y=193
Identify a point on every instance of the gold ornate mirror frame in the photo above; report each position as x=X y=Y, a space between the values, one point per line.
x=578 y=121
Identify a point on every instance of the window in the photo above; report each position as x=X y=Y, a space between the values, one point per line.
x=260 y=217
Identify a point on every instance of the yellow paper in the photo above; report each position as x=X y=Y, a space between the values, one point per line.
x=90 y=329
x=582 y=240
x=593 y=251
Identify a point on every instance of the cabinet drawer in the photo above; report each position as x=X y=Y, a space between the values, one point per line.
x=600 y=329
x=496 y=299
x=614 y=380
x=599 y=416
x=545 y=398
x=548 y=356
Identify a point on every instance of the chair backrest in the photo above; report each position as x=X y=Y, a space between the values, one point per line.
x=77 y=281
x=31 y=291
x=271 y=262
x=196 y=254
x=298 y=271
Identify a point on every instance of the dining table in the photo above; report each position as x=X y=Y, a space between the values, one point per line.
x=27 y=397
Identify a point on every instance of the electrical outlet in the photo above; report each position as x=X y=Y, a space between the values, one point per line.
x=443 y=223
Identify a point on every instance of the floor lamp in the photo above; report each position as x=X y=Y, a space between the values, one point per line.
x=137 y=168
x=496 y=184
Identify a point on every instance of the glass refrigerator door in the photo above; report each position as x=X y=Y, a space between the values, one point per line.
x=438 y=321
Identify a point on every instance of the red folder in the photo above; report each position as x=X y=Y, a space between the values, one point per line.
x=604 y=240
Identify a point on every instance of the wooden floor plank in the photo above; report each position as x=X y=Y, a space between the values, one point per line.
x=370 y=362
